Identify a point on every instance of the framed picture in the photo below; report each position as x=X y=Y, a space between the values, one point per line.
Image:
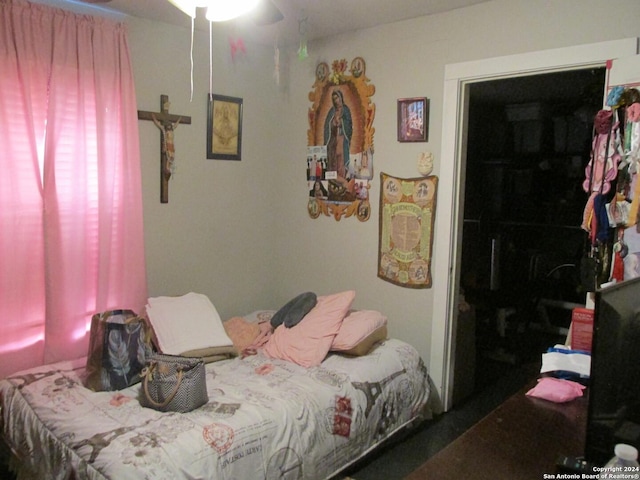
x=224 y=127
x=413 y=119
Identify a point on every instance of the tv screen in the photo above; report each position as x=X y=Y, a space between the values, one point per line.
x=614 y=384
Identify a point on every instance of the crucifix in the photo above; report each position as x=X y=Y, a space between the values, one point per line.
x=167 y=123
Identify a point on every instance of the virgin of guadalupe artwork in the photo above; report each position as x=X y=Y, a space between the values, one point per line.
x=338 y=129
x=340 y=141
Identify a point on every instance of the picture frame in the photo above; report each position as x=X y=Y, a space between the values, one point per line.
x=224 y=127
x=413 y=119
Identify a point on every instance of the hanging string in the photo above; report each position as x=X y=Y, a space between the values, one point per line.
x=191 y=55
x=210 y=58
x=276 y=61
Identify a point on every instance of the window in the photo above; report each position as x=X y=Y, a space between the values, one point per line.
x=71 y=240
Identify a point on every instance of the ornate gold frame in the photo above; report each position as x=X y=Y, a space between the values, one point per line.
x=347 y=195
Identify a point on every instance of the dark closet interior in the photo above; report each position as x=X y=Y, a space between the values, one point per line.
x=528 y=143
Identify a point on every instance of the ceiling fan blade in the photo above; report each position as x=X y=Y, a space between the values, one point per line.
x=267 y=13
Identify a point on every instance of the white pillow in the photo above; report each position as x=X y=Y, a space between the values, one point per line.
x=185 y=323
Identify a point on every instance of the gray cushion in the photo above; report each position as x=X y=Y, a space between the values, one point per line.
x=294 y=310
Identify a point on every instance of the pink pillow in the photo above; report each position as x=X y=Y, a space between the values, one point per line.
x=308 y=342
x=357 y=327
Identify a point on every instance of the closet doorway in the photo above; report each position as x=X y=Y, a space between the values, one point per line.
x=446 y=269
x=528 y=144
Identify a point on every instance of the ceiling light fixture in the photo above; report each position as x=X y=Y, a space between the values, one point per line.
x=217 y=10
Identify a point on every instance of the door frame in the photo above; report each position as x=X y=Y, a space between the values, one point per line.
x=446 y=270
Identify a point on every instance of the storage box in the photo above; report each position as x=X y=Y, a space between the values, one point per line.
x=581 y=329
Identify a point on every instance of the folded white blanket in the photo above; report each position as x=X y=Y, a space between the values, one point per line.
x=185 y=323
x=574 y=362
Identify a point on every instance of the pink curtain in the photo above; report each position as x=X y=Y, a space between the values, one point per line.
x=71 y=229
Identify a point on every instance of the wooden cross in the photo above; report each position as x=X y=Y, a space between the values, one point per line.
x=167 y=123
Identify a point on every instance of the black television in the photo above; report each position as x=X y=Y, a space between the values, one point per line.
x=614 y=384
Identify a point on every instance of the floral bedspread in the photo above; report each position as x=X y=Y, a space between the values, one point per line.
x=265 y=419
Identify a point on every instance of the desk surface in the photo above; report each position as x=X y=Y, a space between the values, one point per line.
x=521 y=439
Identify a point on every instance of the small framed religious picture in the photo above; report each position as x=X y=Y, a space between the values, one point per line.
x=413 y=119
x=224 y=127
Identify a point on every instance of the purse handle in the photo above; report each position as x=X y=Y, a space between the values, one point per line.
x=173 y=394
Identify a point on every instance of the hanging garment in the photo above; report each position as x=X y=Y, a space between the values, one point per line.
x=618 y=211
x=620 y=251
x=632 y=155
x=600 y=229
x=601 y=170
x=605 y=154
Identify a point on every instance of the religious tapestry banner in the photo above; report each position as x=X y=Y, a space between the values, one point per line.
x=407 y=214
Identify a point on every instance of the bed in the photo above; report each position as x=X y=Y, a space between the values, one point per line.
x=265 y=418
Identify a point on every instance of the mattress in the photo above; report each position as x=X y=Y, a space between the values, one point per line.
x=265 y=418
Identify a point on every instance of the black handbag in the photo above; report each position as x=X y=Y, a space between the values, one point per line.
x=173 y=383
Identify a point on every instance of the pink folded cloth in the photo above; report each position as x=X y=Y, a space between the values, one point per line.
x=263 y=337
x=241 y=332
x=556 y=390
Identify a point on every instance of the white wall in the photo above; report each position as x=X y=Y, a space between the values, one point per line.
x=239 y=231
x=407 y=59
x=216 y=234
